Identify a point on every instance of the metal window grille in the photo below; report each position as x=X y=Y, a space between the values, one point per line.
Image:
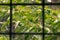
x=43 y=4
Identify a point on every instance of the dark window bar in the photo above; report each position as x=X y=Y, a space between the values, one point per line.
x=10 y=19
x=31 y=4
x=43 y=18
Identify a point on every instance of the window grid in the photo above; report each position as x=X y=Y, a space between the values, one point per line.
x=43 y=6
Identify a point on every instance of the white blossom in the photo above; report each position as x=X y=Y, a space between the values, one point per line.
x=56 y=21
x=4 y=1
x=49 y=0
x=47 y=30
x=32 y=0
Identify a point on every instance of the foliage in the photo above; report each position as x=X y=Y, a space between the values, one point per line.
x=4 y=18
x=27 y=37
x=28 y=18
x=52 y=20
x=50 y=37
x=26 y=1
x=2 y=37
x=4 y=1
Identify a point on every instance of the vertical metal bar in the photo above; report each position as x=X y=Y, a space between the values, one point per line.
x=43 y=19
x=10 y=19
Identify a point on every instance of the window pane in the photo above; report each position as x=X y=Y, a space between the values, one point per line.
x=4 y=1
x=52 y=19
x=52 y=37
x=52 y=1
x=4 y=18
x=27 y=19
x=4 y=37
x=26 y=1
x=27 y=37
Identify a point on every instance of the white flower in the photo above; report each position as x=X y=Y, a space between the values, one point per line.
x=32 y=0
x=56 y=21
x=4 y=1
x=49 y=0
x=47 y=30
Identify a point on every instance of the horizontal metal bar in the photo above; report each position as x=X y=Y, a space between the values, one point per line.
x=32 y=4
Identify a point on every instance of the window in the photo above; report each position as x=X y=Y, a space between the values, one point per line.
x=29 y=20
